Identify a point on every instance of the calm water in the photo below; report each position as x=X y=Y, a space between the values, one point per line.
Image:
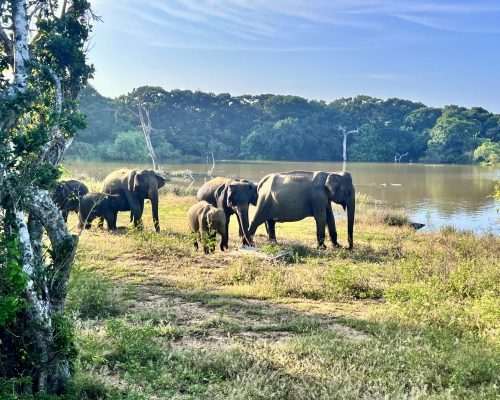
x=435 y=195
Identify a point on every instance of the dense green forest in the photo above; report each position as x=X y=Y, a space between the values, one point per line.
x=273 y=127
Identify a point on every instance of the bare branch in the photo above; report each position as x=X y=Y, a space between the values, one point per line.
x=35 y=9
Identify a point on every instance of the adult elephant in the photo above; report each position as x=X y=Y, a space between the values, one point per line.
x=293 y=196
x=233 y=196
x=136 y=186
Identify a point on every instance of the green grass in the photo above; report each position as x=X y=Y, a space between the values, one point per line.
x=404 y=315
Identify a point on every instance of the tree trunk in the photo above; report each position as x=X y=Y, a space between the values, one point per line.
x=38 y=312
x=146 y=130
x=344 y=147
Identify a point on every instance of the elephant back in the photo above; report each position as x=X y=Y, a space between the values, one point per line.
x=207 y=190
x=116 y=181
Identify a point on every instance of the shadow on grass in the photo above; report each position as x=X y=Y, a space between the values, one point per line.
x=232 y=348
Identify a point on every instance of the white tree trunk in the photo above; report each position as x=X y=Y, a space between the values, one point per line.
x=146 y=130
x=21 y=51
x=344 y=147
x=40 y=321
x=345 y=133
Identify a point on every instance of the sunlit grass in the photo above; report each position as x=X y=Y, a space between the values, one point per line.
x=236 y=325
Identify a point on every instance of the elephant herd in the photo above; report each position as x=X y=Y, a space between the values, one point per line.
x=278 y=197
x=123 y=190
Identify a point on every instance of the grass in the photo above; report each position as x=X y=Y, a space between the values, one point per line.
x=404 y=315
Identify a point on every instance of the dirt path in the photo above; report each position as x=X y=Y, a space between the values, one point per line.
x=211 y=321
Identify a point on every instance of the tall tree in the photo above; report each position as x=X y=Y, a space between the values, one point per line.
x=42 y=69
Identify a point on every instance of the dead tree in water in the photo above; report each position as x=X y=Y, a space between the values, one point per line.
x=398 y=157
x=146 y=130
x=346 y=133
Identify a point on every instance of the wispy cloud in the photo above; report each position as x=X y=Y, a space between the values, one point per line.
x=292 y=49
x=255 y=24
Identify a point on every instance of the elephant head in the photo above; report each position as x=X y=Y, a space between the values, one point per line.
x=237 y=195
x=216 y=219
x=145 y=184
x=341 y=191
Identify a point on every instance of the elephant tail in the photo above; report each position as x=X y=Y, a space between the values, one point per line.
x=131 y=216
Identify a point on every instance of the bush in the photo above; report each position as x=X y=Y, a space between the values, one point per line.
x=395 y=219
x=92 y=296
x=488 y=153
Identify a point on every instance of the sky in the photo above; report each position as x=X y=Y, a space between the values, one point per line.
x=438 y=52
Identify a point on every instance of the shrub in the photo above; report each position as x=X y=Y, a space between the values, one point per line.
x=396 y=219
x=488 y=153
x=92 y=296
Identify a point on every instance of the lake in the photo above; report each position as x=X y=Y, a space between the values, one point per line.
x=433 y=194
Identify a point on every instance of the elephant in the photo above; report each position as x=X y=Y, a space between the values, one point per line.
x=234 y=197
x=205 y=219
x=66 y=196
x=102 y=205
x=136 y=186
x=293 y=196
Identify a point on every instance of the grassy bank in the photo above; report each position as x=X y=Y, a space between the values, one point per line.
x=403 y=315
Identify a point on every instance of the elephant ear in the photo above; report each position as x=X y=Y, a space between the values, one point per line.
x=254 y=196
x=220 y=196
x=210 y=217
x=332 y=182
x=159 y=179
x=131 y=179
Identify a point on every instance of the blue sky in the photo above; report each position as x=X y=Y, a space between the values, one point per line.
x=438 y=52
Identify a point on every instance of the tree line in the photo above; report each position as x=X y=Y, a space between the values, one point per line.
x=275 y=127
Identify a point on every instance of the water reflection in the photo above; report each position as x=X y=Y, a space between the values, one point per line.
x=436 y=195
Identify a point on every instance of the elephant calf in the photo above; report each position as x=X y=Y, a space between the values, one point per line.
x=205 y=220
x=103 y=205
x=67 y=195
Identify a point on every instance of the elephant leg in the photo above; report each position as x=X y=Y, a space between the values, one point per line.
x=135 y=209
x=65 y=215
x=271 y=230
x=320 y=218
x=111 y=221
x=258 y=219
x=204 y=240
x=225 y=243
x=213 y=238
x=330 y=220
x=88 y=221
x=81 y=220
x=241 y=234
x=85 y=220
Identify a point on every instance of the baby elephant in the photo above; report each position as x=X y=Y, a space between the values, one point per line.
x=94 y=205
x=206 y=220
x=66 y=196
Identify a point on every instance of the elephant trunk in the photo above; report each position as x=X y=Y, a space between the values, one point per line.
x=242 y=212
x=351 y=210
x=153 y=196
x=224 y=239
